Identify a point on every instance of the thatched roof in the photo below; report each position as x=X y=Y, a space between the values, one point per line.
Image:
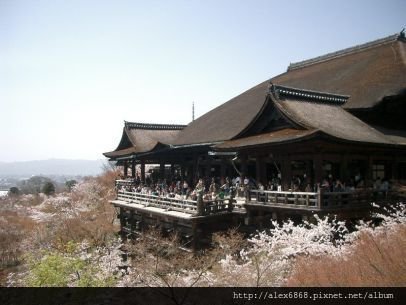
x=326 y=116
x=367 y=72
x=141 y=138
x=286 y=135
x=312 y=114
x=398 y=136
x=228 y=120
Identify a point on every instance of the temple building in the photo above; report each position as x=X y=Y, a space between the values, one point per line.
x=340 y=116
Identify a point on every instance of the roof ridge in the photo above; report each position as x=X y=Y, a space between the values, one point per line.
x=309 y=94
x=136 y=125
x=346 y=51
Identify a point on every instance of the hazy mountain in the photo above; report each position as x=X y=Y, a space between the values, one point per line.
x=52 y=167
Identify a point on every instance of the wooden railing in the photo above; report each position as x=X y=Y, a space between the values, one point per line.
x=174 y=204
x=317 y=201
x=124 y=183
x=356 y=198
x=320 y=200
x=286 y=199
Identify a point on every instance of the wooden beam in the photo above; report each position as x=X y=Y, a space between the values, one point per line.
x=260 y=169
x=286 y=172
x=182 y=170
x=142 y=171
x=208 y=166
x=368 y=174
x=223 y=168
x=162 y=169
x=318 y=168
x=243 y=167
x=125 y=168
x=133 y=168
x=344 y=176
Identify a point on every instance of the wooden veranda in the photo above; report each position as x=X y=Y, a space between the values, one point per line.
x=138 y=212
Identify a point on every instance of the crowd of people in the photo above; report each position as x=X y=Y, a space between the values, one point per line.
x=219 y=188
x=330 y=184
x=181 y=189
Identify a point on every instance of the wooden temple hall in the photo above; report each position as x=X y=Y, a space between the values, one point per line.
x=328 y=136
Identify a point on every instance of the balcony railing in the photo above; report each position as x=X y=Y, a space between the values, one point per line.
x=286 y=199
x=317 y=200
x=173 y=204
x=124 y=183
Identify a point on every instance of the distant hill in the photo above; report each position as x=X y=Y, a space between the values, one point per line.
x=52 y=167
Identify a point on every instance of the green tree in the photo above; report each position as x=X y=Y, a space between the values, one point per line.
x=14 y=191
x=64 y=267
x=70 y=184
x=48 y=188
x=52 y=271
x=33 y=185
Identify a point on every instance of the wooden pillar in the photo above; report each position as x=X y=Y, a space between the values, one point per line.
x=195 y=241
x=243 y=168
x=257 y=169
x=143 y=171
x=182 y=171
x=260 y=220
x=318 y=168
x=207 y=172
x=122 y=224
x=344 y=177
x=395 y=167
x=319 y=198
x=162 y=170
x=191 y=172
x=260 y=170
x=309 y=172
x=368 y=174
x=195 y=169
x=200 y=204
x=122 y=218
x=133 y=168
x=222 y=168
x=249 y=218
x=286 y=173
x=125 y=168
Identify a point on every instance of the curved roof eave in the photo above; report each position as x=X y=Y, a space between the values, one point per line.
x=328 y=117
x=259 y=113
x=123 y=144
x=286 y=115
x=283 y=136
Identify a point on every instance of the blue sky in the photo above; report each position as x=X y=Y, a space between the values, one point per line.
x=72 y=71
